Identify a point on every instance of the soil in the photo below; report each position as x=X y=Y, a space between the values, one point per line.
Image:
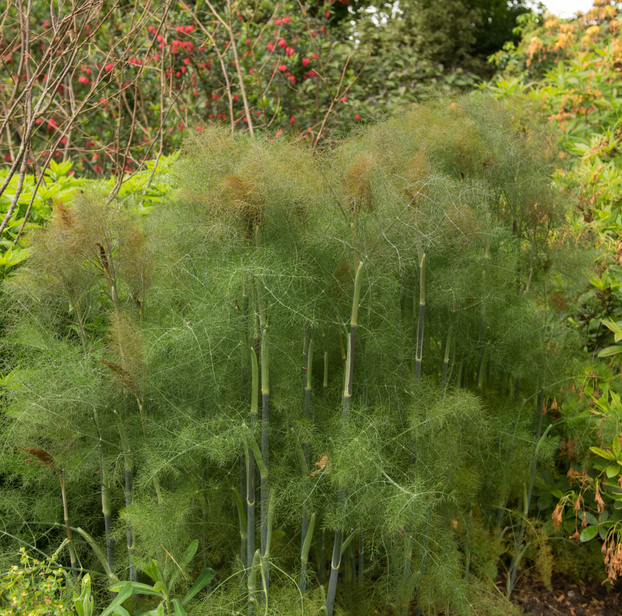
x=568 y=598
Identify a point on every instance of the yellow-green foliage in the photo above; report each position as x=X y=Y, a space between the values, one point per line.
x=34 y=587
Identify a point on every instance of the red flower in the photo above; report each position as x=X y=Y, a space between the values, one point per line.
x=312 y=73
x=251 y=72
x=306 y=62
x=357 y=117
x=282 y=43
x=285 y=20
x=189 y=29
x=199 y=128
x=344 y=99
x=282 y=67
x=108 y=67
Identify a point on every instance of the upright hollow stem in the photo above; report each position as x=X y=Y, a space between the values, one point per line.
x=306 y=455
x=250 y=480
x=347 y=396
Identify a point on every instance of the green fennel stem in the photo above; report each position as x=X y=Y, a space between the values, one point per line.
x=306 y=454
x=347 y=395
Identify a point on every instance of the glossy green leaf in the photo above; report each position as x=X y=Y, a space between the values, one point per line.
x=588 y=533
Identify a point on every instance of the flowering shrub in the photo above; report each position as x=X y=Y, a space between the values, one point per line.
x=577 y=63
x=33 y=588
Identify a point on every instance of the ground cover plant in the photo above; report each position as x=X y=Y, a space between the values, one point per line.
x=385 y=303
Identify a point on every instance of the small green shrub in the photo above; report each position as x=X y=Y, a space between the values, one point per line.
x=33 y=588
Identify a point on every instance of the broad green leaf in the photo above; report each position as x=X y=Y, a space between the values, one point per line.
x=612 y=471
x=205 y=577
x=614 y=327
x=590 y=517
x=602 y=453
x=137 y=588
x=125 y=592
x=589 y=533
x=611 y=351
x=179 y=610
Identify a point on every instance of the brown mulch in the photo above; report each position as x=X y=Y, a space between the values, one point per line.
x=568 y=598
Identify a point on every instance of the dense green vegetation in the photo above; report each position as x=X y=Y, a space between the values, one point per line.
x=388 y=271
x=312 y=373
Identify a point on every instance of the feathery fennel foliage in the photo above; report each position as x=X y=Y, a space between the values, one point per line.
x=129 y=360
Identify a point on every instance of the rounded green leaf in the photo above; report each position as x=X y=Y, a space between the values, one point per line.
x=589 y=533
